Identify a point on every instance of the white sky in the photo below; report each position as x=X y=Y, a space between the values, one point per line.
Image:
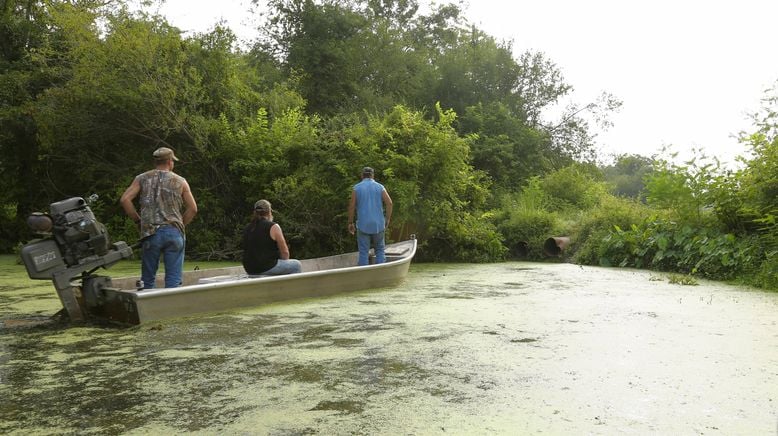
x=687 y=71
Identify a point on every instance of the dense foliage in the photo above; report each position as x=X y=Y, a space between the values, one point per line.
x=451 y=119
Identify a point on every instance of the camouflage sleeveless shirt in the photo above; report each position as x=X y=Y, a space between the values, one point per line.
x=161 y=200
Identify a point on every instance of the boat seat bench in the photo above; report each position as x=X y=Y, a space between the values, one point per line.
x=224 y=278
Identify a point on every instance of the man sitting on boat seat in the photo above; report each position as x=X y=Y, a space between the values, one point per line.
x=264 y=248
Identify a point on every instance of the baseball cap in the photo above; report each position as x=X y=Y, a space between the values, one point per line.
x=262 y=206
x=164 y=153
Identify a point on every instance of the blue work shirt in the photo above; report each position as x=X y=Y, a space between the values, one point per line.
x=370 y=206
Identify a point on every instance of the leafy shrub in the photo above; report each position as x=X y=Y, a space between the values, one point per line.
x=525 y=223
x=767 y=274
x=668 y=246
x=526 y=230
x=690 y=190
x=468 y=239
x=598 y=222
x=576 y=186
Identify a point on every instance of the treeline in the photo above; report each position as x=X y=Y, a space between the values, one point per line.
x=448 y=116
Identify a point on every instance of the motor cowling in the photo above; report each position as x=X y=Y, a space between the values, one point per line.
x=78 y=233
x=70 y=236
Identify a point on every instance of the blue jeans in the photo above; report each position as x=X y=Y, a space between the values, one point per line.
x=290 y=266
x=168 y=243
x=364 y=240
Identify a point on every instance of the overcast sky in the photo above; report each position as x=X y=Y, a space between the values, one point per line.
x=687 y=71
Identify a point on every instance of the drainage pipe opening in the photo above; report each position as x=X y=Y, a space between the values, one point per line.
x=554 y=246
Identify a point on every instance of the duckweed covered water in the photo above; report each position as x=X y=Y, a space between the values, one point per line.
x=511 y=348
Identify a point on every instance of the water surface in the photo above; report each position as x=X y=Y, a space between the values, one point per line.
x=510 y=348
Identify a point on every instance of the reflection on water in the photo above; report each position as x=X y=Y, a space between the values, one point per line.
x=462 y=349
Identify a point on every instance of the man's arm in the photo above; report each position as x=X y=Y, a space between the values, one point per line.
x=352 y=206
x=127 y=198
x=388 y=205
x=189 y=202
x=278 y=235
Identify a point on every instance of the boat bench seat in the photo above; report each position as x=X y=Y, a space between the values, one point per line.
x=224 y=278
x=396 y=251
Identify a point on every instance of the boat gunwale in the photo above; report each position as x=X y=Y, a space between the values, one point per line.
x=199 y=287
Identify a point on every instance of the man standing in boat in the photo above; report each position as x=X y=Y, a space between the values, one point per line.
x=264 y=247
x=368 y=199
x=167 y=206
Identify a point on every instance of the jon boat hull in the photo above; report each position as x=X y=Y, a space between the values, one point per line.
x=223 y=289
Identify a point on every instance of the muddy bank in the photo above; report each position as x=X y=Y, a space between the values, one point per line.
x=458 y=349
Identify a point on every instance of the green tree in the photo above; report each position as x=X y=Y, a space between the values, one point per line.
x=137 y=85
x=29 y=65
x=541 y=84
x=627 y=175
x=476 y=70
x=504 y=147
x=130 y=91
x=571 y=136
x=347 y=55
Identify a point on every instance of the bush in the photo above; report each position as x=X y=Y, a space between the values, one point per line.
x=599 y=222
x=525 y=232
x=669 y=246
x=468 y=239
x=767 y=274
x=525 y=223
x=577 y=186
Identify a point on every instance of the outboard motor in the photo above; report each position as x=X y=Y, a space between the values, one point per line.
x=72 y=243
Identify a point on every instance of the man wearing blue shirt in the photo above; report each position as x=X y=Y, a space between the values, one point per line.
x=368 y=199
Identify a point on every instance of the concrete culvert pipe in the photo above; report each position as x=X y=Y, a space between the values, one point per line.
x=556 y=245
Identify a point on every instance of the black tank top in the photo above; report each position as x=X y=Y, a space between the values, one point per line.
x=260 y=251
